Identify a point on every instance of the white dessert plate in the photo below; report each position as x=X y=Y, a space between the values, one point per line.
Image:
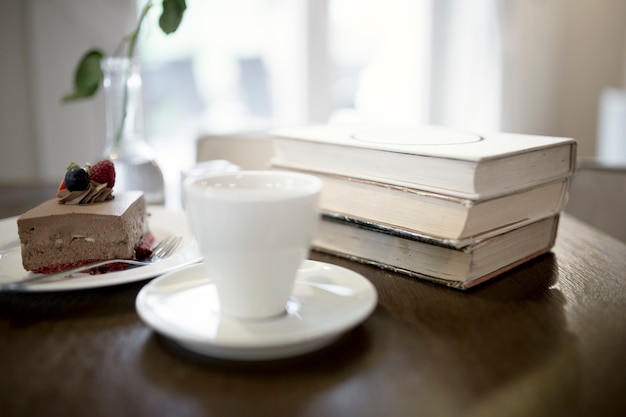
x=327 y=301
x=162 y=223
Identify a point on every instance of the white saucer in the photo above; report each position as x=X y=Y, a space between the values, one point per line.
x=327 y=300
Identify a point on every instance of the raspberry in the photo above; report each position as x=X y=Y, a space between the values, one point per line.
x=103 y=172
x=61 y=187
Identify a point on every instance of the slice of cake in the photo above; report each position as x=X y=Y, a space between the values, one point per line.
x=57 y=236
x=85 y=223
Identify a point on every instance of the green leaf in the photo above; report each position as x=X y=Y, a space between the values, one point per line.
x=172 y=15
x=87 y=76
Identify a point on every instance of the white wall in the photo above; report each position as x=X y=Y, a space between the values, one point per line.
x=593 y=59
x=561 y=54
x=46 y=39
x=17 y=135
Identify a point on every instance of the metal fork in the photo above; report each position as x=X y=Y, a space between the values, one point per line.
x=161 y=251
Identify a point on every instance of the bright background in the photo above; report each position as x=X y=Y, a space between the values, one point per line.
x=538 y=67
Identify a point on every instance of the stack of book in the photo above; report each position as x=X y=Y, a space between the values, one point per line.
x=452 y=207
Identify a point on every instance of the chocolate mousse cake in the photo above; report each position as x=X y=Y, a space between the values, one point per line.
x=86 y=223
x=58 y=236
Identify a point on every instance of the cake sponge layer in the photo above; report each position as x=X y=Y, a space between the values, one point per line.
x=57 y=234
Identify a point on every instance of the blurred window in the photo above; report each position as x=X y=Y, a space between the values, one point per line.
x=251 y=65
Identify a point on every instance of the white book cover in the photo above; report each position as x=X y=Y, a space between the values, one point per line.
x=438 y=159
x=433 y=141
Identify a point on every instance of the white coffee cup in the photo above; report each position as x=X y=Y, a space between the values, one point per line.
x=254 y=229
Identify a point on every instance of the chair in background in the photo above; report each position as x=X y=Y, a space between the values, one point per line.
x=598 y=197
x=246 y=150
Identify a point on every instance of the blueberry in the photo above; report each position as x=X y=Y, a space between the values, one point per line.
x=76 y=179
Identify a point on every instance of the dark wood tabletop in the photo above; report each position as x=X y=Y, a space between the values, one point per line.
x=546 y=339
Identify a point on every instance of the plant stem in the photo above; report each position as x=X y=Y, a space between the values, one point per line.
x=132 y=43
x=135 y=34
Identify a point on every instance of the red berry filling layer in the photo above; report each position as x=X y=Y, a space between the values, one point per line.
x=143 y=250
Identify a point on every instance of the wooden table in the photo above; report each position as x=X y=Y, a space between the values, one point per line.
x=547 y=339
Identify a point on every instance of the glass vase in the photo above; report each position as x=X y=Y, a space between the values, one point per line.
x=135 y=162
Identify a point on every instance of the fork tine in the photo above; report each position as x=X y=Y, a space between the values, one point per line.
x=159 y=247
x=172 y=247
x=166 y=247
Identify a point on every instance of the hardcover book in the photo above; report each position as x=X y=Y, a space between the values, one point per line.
x=430 y=258
x=454 y=219
x=446 y=161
